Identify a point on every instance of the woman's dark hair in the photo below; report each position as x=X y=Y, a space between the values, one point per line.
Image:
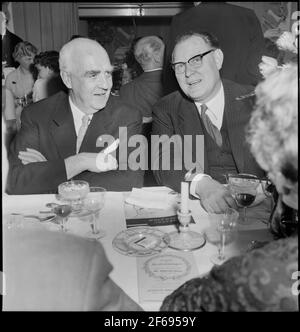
x=48 y=59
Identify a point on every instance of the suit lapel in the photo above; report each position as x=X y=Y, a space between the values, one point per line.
x=190 y=124
x=235 y=115
x=62 y=127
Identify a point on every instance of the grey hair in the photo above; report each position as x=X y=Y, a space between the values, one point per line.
x=67 y=52
x=273 y=128
x=149 y=48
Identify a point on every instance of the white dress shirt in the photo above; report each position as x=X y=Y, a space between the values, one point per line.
x=77 y=116
x=215 y=111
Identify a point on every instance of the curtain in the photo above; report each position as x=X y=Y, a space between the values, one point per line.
x=47 y=25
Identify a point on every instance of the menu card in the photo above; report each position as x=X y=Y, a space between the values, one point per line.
x=161 y=274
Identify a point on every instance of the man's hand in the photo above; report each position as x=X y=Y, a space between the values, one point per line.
x=214 y=196
x=93 y=162
x=30 y=156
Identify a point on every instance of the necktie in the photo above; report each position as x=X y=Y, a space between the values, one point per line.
x=212 y=130
x=82 y=131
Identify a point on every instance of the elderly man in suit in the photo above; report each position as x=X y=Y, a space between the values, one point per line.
x=208 y=106
x=144 y=91
x=62 y=137
x=238 y=31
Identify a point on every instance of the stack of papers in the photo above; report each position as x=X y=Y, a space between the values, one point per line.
x=152 y=199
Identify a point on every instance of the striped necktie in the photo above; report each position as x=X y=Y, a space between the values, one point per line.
x=82 y=131
x=212 y=130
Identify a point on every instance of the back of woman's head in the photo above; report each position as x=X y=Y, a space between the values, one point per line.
x=273 y=129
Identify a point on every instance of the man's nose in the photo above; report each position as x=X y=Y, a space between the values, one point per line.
x=102 y=82
x=188 y=70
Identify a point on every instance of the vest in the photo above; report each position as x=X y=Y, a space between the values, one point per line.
x=219 y=159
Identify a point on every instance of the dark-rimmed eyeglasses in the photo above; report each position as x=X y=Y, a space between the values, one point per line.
x=194 y=62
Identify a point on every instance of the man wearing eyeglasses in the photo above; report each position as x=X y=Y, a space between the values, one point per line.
x=205 y=105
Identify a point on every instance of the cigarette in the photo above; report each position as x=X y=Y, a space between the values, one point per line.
x=111 y=147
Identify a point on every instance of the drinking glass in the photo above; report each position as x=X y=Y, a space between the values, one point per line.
x=243 y=188
x=225 y=226
x=63 y=212
x=73 y=192
x=94 y=202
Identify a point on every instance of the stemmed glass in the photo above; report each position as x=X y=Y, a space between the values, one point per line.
x=94 y=202
x=225 y=227
x=63 y=212
x=243 y=188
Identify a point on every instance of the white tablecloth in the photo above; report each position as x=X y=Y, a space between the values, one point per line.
x=112 y=219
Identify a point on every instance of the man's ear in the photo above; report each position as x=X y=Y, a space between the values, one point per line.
x=66 y=79
x=219 y=56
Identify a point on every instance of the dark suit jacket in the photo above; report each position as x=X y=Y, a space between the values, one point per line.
x=55 y=271
x=177 y=115
x=9 y=41
x=144 y=91
x=238 y=31
x=48 y=127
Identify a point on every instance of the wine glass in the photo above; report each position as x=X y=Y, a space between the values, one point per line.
x=243 y=188
x=94 y=202
x=225 y=227
x=63 y=212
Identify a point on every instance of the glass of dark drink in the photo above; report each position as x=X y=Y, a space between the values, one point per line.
x=243 y=188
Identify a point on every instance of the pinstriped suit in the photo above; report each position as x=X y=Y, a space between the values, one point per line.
x=176 y=114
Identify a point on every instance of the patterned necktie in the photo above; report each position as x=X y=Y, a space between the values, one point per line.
x=213 y=131
x=82 y=131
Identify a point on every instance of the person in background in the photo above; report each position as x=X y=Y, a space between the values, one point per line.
x=273 y=135
x=20 y=81
x=263 y=279
x=145 y=90
x=49 y=81
x=63 y=137
x=209 y=106
x=9 y=41
x=238 y=31
x=130 y=60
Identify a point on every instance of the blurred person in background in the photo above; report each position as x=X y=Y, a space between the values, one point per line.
x=145 y=90
x=9 y=40
x=20 y=81
x=49 y=81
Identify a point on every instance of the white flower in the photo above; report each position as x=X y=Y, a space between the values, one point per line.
x=267 y=66
x=287 y=41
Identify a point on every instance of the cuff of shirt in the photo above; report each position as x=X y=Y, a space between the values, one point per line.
x=194 y=182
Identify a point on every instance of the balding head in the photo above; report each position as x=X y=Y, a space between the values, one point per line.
x=77 y=49
x=149 y=52
x=86 y=70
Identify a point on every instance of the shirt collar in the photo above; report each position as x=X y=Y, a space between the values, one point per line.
x=77 y=115
x=215 y=108
x=4 y=33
